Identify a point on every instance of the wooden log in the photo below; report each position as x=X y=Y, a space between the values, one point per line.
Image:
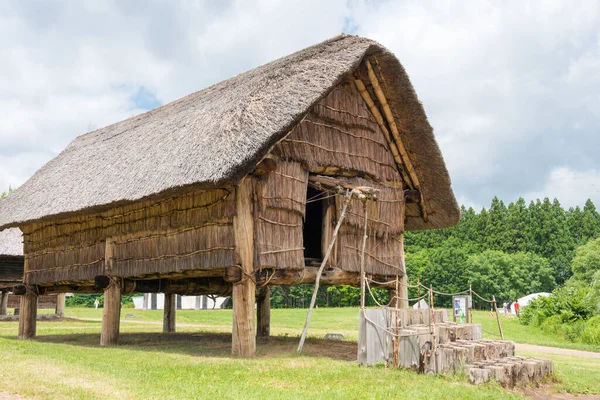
x=4 y=302
x=60 y=304
x=21 y=289
x=330 y=276
x=169 y=313
x=111 y=314
x=28 y=314
x=263 y=313
x=243 y=342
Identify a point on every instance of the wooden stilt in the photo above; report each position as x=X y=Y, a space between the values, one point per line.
x=28 y=314
x=243 y=342
x=146 y=305
x=403 y=289
x=111 y=314
x=197 y=302
x=60 y=304
x=263 y=313
x=170 y=312
x=4 y=302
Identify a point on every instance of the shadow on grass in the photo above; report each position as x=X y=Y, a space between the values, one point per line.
x=210 y=344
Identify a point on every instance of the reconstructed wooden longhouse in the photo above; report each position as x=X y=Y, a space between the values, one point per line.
x=238 y=187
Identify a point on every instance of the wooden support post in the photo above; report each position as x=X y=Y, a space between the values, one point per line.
x=263 y=313
x=4 y=302
x=111 y=314
x=60 y=304
x=198 y=303
x=403 y=290
x=169 y=313
x=243 y=341
x=146 y=305
x=28 y=314
x=153 y=301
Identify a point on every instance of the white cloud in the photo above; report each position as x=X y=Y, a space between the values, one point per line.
x=571 y=187
x=512 y=89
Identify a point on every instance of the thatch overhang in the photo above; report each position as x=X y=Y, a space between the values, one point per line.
x=214 y=137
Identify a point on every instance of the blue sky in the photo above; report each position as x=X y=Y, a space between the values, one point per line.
x=511 y=88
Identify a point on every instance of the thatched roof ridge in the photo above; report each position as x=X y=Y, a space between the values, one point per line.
x=216 y=136
x=11 y=242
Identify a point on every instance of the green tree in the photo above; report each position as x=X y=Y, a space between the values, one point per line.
x=587 y=261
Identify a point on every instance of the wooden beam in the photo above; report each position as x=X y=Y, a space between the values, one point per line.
x=403 y=288
x=330 y=276
x=263 y=312
x=4 y=302
x=191 y=287
x=395 y=133
x=243 y=342
x=169 y=313
x=28 y=314
x=379 y=118
x=60 y=304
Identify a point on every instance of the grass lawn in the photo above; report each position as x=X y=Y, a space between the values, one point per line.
x=66 y=362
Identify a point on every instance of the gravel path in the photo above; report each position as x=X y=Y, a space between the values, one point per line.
x=556 y=350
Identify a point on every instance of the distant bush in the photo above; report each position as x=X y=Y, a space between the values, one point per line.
x=591 y=333
x=87 y=300
x=568 y=312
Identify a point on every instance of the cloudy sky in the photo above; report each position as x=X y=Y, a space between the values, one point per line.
x=512 y=88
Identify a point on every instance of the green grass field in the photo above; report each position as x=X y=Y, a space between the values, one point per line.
x=65 y=361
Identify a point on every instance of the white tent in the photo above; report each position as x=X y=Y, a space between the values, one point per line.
x=423 y=304
x=525 y=300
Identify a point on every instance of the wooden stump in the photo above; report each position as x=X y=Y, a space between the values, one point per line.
x=28 y=314
x=4 y=303
x=263 y=313
x=169 y=313
x=60 y=304
x=243 y=341
x=111 y=314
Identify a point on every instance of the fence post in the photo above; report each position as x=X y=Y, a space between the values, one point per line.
x=497 y=317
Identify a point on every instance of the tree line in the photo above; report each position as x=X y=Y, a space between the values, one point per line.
x=506 y=251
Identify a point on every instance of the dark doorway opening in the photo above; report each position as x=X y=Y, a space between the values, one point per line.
x=313 y=225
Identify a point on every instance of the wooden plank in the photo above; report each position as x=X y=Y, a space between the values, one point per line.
x=243 y=342
x=263 y=313
x=169 y=313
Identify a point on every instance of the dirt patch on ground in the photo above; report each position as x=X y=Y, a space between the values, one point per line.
x=8 y=396
x=215 y=344
x=544 y=394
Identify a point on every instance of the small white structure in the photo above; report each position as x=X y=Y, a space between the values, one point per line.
x=156 y=301
x=420 y=304
x=525 y=300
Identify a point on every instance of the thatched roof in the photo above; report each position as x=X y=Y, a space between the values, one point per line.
x=11 y=242
x=216 y=136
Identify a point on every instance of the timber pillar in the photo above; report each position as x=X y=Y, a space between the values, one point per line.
x=60 y=304
x=169 y=313
x=263 y=312
x=111 y=313
x=243 y=343
x=4 y=302
x=28 y=313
